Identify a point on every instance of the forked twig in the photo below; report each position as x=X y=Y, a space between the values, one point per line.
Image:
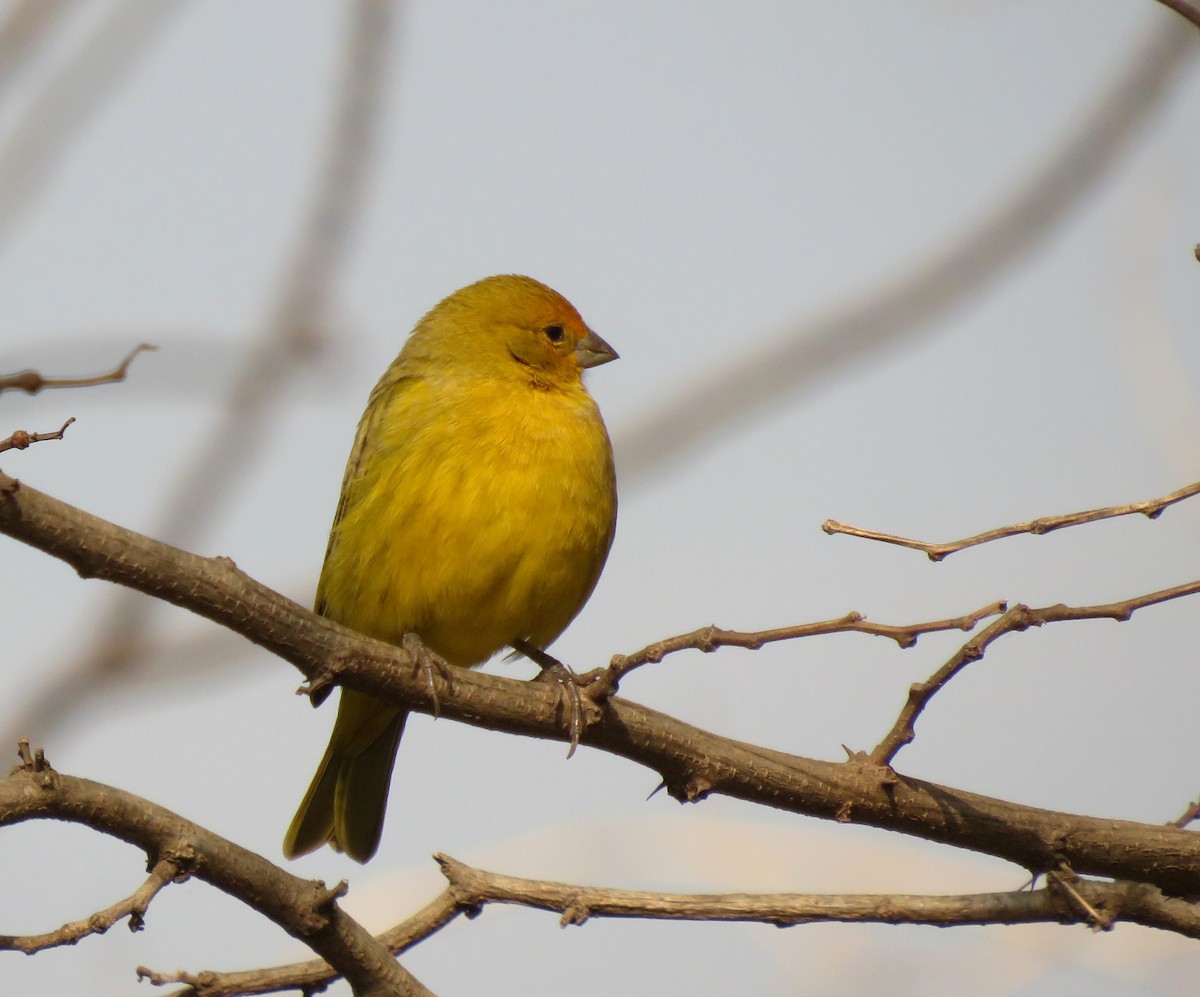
x=1019 y=617
x=133 y=907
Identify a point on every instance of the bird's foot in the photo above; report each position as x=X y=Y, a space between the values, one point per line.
x=427 y=661
x=554 y=670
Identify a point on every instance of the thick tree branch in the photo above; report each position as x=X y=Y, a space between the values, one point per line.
x=692 y=762
x=303 y=908
x=1151 y=509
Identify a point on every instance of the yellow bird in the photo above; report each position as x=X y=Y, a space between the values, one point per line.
x=477 y=510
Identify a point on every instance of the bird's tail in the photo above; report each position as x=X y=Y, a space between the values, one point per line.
x=347 y=799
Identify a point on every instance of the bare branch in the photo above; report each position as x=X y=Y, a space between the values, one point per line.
x=316 y=974
x=1151 y=509
x=604 y=682
x=1019 y=618
x=21 y=439
x=31 y=382
x=1120 y=901
x=691 y=762
x=305 y=909
x=920 y=693
x=907 y=306
x=1066 y=899
x=133 y=907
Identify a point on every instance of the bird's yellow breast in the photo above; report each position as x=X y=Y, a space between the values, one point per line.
x=476 y=514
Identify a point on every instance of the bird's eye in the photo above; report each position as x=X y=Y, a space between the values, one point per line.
x=554 y=333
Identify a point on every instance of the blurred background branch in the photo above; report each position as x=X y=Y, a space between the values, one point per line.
x=289 y=341
x=24 y=26
x=910 y=305
x=57 y=114
x=1183 y=9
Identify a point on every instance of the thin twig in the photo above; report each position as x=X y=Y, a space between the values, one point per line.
x=1065 y=879
x=1151 y=509
x=133 y=907
x=708 y=639
x=21 y=439
x=31 y=382
x=1185 y=818
x=1020 y=617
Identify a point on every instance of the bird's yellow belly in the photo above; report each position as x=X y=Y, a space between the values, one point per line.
x=501 y=539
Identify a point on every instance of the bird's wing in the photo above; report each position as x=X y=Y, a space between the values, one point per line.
x=365 y=443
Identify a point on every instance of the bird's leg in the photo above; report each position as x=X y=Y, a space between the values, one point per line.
x=427 y=661
x=556 y=671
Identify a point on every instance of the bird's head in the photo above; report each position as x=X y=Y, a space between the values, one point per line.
x=516 y=326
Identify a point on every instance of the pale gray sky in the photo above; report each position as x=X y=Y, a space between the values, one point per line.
x=701 y=183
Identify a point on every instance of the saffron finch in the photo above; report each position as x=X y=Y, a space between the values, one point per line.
x=477 y=511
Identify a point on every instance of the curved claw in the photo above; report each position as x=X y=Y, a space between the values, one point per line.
x=554 y=670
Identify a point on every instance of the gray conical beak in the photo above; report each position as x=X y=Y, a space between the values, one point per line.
x=592 y=351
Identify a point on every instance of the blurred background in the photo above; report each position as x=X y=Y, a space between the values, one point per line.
x=923 y=267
